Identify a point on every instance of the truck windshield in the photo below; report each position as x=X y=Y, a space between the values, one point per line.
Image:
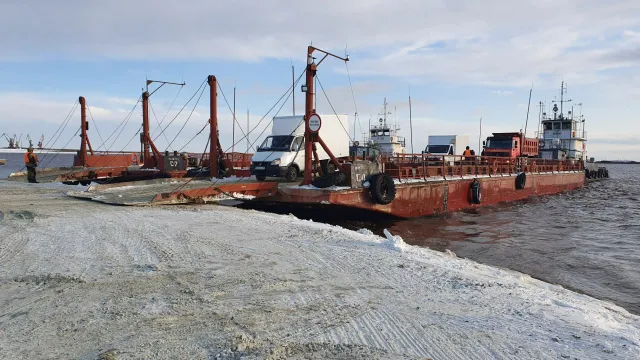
x=276 y=143
x=438 y=149
x=499 y=144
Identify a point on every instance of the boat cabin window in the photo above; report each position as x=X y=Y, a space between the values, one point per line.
x=276 y=143
x=566 y=125
x=548 y=126
x=556 y=125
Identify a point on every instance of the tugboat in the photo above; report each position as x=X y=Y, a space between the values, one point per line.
x=564 y=137
x=385 y=137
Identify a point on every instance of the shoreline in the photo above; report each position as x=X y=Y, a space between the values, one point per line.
x=187 y=281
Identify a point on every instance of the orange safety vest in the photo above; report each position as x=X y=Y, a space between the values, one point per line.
x=27 y=157
x=467 y=153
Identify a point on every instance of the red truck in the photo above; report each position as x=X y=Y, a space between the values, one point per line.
x=510 y=145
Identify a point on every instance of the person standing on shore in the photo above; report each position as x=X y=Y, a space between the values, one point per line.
x=31 y=161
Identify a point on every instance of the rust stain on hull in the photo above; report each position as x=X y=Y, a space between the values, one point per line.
x=437 y=197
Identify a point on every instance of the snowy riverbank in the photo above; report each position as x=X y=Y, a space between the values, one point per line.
x=79 y=279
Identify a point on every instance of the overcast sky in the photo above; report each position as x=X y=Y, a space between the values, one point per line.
x=459 y=60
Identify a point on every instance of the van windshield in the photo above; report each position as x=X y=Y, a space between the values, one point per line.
x=499 y=144
x=276 y=143
x=438 y=149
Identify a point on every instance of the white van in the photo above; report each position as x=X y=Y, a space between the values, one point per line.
x=281 y=154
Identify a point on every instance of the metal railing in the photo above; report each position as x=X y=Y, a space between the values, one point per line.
x=423 y=166
x=236 y=160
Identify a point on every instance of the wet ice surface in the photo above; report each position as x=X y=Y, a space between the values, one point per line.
x=79 y=279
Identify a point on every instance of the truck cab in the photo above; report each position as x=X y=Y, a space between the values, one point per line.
x=510 y=145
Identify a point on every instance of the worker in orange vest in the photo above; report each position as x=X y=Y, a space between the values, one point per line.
x=31 y=161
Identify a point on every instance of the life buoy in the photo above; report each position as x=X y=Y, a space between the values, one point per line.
x=476 y=192
x=521 y=181
x=382 y=188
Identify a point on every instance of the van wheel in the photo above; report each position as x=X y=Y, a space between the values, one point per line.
x=291 y=174
x=261 y=177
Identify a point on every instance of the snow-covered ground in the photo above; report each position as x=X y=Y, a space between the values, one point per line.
x=84 y=280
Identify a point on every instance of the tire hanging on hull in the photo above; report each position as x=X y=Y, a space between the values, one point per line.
x=476 y=192
x=382 y=188
x=521 y=181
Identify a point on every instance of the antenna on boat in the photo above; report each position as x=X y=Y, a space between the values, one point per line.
x=540 y=114
x=248 y=130
x=384 y=113
x=563 y=90
x=233 y=131
x=480 y=136
x=410 y=122
x=528 y=107
x=293 y=93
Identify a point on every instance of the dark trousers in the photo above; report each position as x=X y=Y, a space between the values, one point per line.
x=31 y=174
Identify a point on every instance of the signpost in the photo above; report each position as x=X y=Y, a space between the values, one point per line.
x=315 y=123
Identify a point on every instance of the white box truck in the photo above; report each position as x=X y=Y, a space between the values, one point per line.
x=281 y=154
x=447 y=146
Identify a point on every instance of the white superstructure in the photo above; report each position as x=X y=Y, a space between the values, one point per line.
x=562 y=137
x=385 y=136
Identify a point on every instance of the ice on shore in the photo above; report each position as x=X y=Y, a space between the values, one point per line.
x=79 y=279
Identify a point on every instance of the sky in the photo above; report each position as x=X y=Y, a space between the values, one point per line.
x=459 y=61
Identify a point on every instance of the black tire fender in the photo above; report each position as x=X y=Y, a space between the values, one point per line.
x=587 y=173
x=382 y=188
x=476 y=192
x=521 y=181
x=328 y=180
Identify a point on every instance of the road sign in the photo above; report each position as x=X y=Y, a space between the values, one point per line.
x=314 y=123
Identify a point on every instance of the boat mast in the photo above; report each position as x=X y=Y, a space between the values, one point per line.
x=528 y=107
x=213 y=126
x=410 y=123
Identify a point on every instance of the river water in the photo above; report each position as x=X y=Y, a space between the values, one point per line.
x=587 y=240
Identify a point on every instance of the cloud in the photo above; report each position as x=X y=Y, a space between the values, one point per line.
x=502 y=92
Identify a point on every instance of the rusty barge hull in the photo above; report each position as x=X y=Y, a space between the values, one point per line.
x=436 y=197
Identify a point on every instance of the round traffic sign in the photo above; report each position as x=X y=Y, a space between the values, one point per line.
x=314 y=123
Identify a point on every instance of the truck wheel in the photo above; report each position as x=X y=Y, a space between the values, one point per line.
x=291 y=174
x=382 y=188
x=261 y=177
